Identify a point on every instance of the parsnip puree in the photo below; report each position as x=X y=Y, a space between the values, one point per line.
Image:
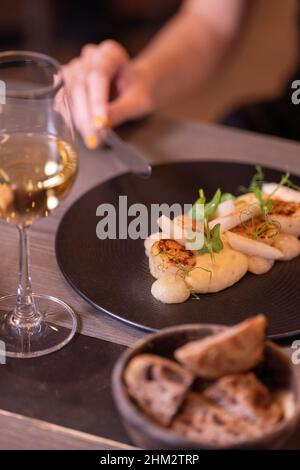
x=217 y=273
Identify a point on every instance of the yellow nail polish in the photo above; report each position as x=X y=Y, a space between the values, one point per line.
x=101 y=122
x=91 y=141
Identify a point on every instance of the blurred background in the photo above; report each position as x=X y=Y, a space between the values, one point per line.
x=256 y=69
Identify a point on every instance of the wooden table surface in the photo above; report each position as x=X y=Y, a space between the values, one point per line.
x=162 y=140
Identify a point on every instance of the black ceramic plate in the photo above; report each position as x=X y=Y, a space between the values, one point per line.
x=113 y=275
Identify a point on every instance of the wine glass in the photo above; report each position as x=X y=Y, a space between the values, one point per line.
x=38 y=166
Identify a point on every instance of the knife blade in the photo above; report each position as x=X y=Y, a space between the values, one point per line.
x=133 y=159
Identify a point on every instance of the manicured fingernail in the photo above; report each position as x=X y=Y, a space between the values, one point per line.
x=91 y=141
x=101 y=122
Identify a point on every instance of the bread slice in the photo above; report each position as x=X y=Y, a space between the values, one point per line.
x=204 y=422
x=233 y=351
x=246 y=396
x=157 y=385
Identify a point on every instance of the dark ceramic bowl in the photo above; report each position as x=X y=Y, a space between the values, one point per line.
x=277 y=371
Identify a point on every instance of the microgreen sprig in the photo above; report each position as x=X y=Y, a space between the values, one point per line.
x=256 y=184
x=212 y=237
x=265 y=203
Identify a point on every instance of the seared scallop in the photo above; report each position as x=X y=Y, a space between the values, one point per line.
x=149 y=241
x=255 y=238
x=285 y=208
x=287 y=214
x=170 y=256
x=259 y=228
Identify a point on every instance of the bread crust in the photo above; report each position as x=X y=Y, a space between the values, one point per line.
x=234 y=351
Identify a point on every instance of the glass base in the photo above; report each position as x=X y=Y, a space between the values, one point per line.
x=55 y=327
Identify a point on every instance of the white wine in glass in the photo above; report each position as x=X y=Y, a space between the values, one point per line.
x=38 y=166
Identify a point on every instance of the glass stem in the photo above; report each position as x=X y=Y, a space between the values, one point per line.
x=25 y=313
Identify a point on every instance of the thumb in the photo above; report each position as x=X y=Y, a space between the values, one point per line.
x=130 y=105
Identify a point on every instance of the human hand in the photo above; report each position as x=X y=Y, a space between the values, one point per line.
x=90 y=80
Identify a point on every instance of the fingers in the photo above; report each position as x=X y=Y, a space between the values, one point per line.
x=74 y=74
x=88 y=79
x=82 y=115
x=87 y=51
x=105 y=62
x=98 y=86
x=107 y=57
